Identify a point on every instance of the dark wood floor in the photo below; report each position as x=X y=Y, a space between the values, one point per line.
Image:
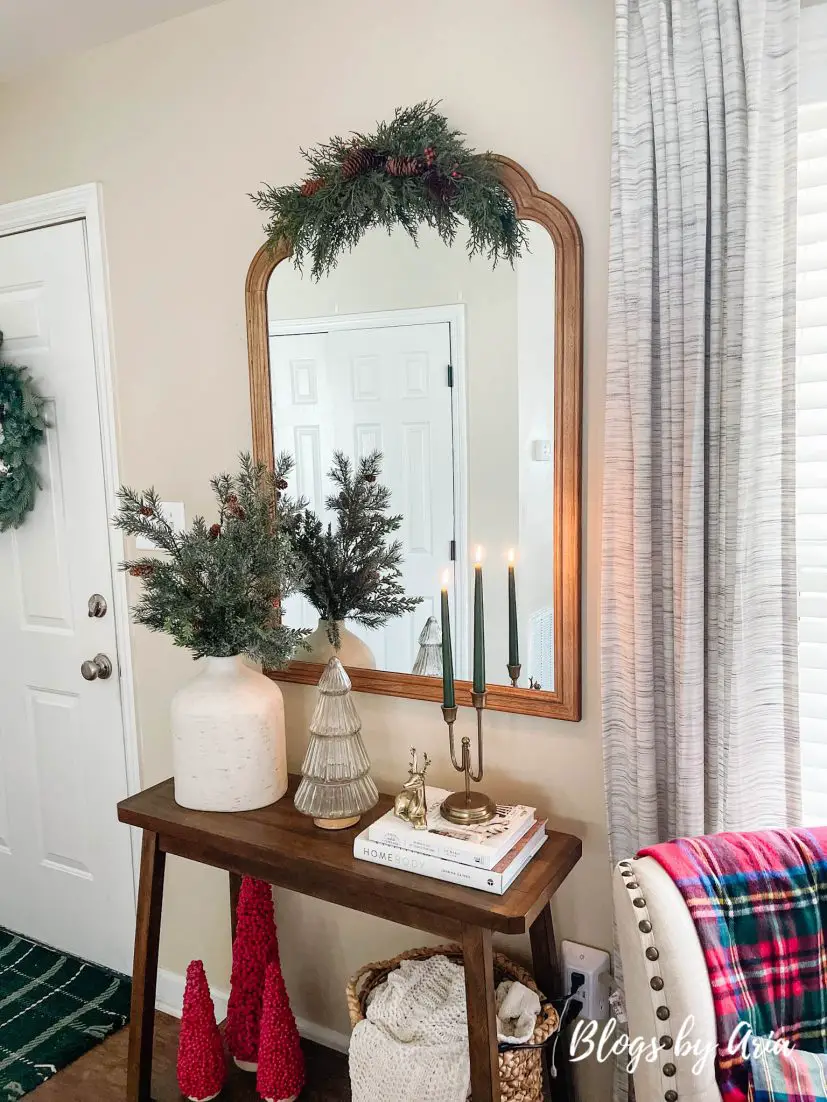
x=100 y=1075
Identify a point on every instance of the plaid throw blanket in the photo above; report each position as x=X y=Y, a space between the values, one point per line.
x=759 y=904
x=790 y=1076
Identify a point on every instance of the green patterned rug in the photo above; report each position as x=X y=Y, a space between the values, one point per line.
x=53 y=1008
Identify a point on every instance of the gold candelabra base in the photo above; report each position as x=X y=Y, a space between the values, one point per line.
x=467 y=807
x=514 y=674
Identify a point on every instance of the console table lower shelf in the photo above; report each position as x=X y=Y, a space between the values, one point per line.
x=283 y=847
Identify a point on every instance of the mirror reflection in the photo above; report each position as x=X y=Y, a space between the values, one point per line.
x=445 y=366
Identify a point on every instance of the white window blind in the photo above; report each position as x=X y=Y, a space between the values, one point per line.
x=811 y=457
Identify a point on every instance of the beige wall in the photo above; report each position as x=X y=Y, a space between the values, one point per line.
x=179 y=123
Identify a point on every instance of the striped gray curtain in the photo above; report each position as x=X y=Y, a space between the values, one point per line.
x=699 y=662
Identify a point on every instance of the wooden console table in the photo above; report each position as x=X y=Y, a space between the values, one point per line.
x=279 y=845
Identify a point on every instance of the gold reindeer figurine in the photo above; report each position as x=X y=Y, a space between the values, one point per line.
x=410 y=803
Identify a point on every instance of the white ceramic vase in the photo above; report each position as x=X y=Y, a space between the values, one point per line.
x=228 y=744
x=352 y=650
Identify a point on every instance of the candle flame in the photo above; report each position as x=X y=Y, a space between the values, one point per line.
x=446 y=577
x=511 y=556
x=478 y=558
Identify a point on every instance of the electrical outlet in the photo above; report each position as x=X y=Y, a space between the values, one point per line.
x=588 y=970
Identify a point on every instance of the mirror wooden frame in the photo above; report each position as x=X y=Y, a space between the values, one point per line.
x=564 y=701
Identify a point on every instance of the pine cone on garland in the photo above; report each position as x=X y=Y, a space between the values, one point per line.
x=215 y=531
x=310 y=187
x=360 y=159
x=403 y=166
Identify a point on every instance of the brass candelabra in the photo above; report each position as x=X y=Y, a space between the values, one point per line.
x=514 y=674
x=466 y=806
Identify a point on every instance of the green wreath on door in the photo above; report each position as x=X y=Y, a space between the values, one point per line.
x=22 y=432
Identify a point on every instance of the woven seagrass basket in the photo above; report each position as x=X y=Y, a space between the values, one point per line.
x=521 y=1070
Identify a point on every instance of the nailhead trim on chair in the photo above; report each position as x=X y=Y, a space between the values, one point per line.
x=656 y=981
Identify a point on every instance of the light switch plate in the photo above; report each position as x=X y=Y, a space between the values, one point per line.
x=541 y=451
x=173 y=511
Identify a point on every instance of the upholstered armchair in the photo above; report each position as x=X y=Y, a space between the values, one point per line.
x=666 y=984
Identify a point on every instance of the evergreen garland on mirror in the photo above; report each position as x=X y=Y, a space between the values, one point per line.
x=352 y=571
x=413 y=170
x=218 y=588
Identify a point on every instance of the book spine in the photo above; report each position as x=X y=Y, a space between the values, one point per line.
x=424 y=864
x=432 y=845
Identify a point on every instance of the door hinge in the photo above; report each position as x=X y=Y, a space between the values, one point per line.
x=450 y=374
x=453 y=550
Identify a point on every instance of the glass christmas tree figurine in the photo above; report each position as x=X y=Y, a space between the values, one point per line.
x=429 y=659
x=336 y=787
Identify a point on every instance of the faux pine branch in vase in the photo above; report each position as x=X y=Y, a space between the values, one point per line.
x=217 y=590
x=353 y=569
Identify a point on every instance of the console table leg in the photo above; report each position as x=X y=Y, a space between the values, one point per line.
x=482 y=1018
x=549 y=979
x=235 y=888
x=145 y=970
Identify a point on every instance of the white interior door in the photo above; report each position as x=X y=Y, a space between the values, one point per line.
x=65 y=861
x=361 y=389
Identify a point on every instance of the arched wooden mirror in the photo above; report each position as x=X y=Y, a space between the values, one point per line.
x=468 y=378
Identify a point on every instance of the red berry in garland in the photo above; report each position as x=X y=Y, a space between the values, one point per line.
x=429 y=155
x=280 y=1058
x=255 y=947
x=201 y=1066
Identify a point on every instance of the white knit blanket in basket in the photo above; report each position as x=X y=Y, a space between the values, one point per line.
x=413 y=1044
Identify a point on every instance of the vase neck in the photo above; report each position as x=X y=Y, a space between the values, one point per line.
x=224 y=666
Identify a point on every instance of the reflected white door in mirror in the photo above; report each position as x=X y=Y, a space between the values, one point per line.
x=358 y=384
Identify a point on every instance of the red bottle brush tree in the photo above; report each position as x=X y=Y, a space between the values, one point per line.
x=255 y=947
x=201 y=1066
x=280 y=1058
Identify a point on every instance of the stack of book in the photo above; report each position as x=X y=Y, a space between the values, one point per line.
x=488 y=856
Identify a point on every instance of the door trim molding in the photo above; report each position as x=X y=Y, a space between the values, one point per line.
x=85 y=203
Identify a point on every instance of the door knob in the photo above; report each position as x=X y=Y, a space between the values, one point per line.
x=97 y=667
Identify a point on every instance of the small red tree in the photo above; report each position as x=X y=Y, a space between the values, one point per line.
x=201 y=1066
x=255 y=947
x=280 y=1058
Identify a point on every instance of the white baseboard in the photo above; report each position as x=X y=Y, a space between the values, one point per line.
x=169 y=998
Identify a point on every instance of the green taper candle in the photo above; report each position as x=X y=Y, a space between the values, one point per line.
x=513 y=641
x=479 y=628
x=448 y=699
